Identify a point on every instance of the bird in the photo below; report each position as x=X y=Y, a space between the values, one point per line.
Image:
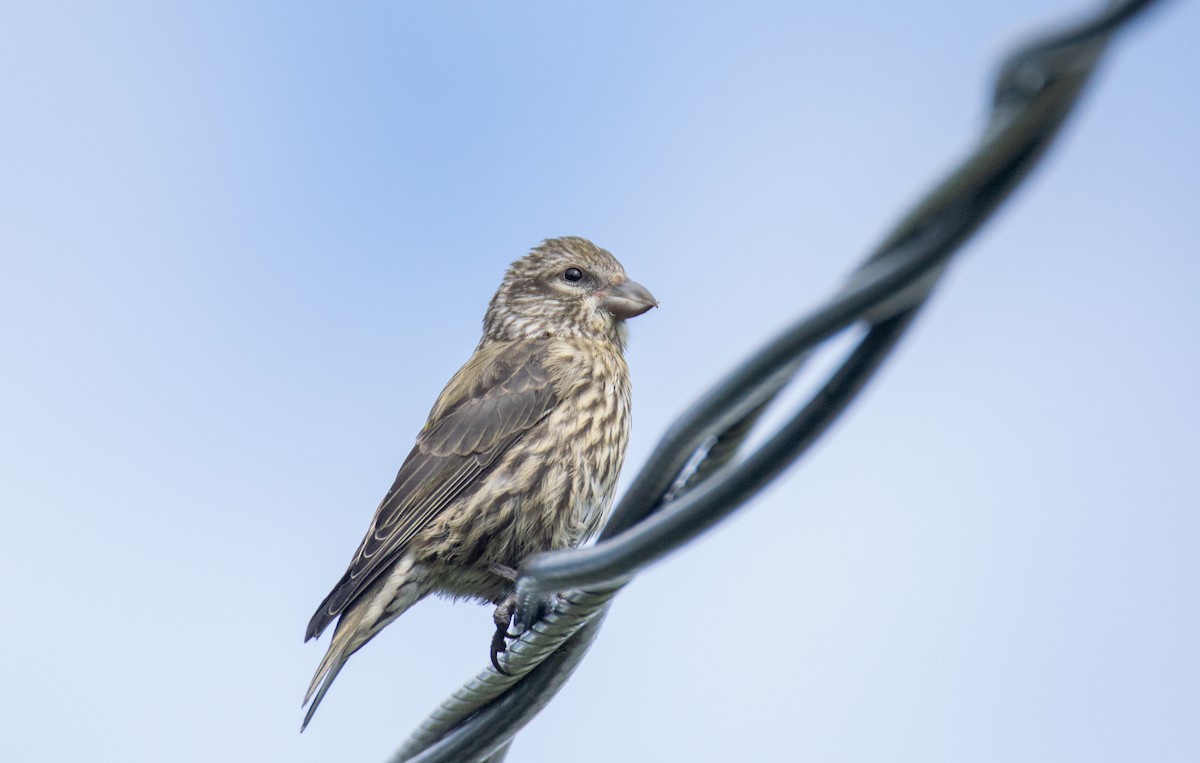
x=520 y=453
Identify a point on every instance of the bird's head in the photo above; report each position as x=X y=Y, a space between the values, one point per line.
x=565 y=287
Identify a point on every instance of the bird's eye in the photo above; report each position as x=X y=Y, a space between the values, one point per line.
x=574 y=275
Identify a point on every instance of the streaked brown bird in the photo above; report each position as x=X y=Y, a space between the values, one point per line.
x=520 y=453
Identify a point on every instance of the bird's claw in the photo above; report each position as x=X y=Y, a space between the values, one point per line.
x=502 y=616
x=499 y=646
x=520 y=613
x=527 y=610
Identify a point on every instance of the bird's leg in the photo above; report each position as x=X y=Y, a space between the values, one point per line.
x=509 y=574
x=502 y=616
x=507 y=609
x=509 y=605
x=504 y=571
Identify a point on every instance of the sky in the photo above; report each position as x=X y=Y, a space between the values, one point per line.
x=244 y=245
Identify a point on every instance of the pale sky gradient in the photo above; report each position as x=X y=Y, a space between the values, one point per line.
x=243 y=246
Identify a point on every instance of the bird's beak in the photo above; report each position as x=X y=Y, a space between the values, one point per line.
x=628 y=299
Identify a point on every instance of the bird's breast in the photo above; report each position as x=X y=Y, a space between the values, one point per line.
x=553 y=488
x=593 y=422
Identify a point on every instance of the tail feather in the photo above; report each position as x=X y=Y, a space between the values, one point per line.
x=324 y=615
x=389 y=599
x=340 y=649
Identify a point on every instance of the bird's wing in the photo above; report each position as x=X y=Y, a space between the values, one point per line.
x=493 y=400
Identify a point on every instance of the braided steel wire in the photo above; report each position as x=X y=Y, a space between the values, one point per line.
x=693 y=478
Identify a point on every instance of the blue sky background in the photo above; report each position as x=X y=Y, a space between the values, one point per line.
x=243 y=246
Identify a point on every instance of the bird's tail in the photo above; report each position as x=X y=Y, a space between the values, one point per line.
x=343 y=645
x=359 y=624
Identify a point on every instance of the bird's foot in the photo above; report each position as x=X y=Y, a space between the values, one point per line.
x=514 y=615
x=529 y=609
x=502 y=617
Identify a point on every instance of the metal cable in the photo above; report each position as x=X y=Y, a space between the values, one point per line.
x=691 y=480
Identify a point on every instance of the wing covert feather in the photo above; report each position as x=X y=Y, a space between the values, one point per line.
x=489 y=404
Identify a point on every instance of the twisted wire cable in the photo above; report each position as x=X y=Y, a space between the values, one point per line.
x=691 y=480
